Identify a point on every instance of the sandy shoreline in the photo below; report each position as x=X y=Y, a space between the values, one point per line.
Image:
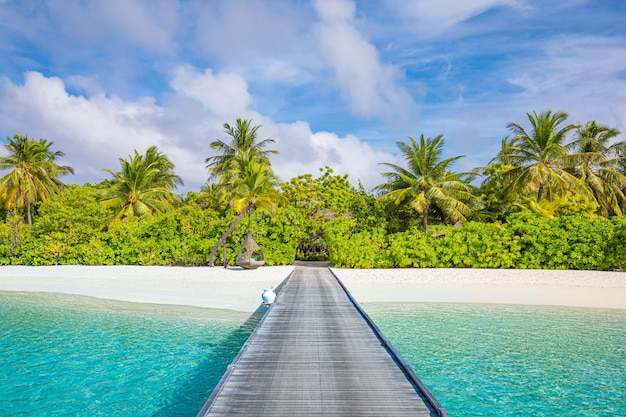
x=230 y=289
x=593 y=289
x=240 y=290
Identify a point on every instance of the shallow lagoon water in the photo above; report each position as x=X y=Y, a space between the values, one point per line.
x=64 y=355
x=68 y=355
x=513 y=360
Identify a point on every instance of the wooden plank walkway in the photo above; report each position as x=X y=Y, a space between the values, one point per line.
x=315 y=353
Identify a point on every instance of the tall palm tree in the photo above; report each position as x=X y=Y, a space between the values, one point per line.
x=254 y=187
x=143 y=187
x=597 y=163
x=243 y=170
x=427 y=181
x=242 y=149
x=34 y=173
x=165 y=175
x=539 y=157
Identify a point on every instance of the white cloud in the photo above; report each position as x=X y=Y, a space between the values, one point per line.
x=94 y=131
x=303 y=151
x=237 y=31
x=225 y=95
x=339 y=10
x=371 y=87
x=439 y=15
x=89 y=85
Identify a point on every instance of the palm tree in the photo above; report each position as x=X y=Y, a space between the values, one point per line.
x=143 y=187
x=213 y=196
x=34 y=173
x=539 y=157
x=254 y=187
x=242 y=149
x=243 y=171
x=165 y=175
x=496 y=201
x=597 y=164
x=427 y=182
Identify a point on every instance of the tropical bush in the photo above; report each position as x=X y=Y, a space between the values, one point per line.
x=547 y=201
x=526 y=241
x=71 y=228
x=350 y=248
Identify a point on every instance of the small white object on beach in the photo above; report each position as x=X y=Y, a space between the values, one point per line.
x=268 y=295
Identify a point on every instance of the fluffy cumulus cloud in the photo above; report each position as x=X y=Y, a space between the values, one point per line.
x=95 y=130
x=225 y=95
x=303 y=151
x=334 y=82
x=371 y=87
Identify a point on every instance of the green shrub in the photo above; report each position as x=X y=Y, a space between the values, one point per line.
x=568 y=242
x=279 y=239
x=616 y=247
x=412 y=248
x=477 y=245
x=350 y=249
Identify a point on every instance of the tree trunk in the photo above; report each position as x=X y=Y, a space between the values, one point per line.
x=540 y=192
x=222 y=240
x=30 y=219
x=425 y=219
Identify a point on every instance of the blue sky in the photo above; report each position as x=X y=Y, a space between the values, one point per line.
x=334 y=82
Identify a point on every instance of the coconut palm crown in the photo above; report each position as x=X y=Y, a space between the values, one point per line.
x=427 y=181
x=242 y=149
x=244 y=173
x=144 y=186
x=539 y=158
x=34 y=173
x=597 y=162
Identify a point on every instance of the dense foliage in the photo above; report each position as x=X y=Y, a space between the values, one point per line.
x=525 y=241
x=544 y=202
x=72 y=229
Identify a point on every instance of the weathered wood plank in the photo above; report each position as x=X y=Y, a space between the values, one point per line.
x=315 y=353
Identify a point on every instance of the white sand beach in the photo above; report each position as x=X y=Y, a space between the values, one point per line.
x=218 y=287
x=240 y=290
x=598 y=289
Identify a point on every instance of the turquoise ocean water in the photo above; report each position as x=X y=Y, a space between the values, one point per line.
x=513 y=360
x=77 y=356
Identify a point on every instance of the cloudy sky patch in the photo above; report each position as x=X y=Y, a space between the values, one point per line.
x=334 y=82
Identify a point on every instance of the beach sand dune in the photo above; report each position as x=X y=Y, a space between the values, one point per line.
x=238 y=289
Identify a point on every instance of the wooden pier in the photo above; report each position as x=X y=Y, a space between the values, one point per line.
x=316 y=353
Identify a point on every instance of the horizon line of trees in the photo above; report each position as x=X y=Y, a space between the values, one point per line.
x=550 y=168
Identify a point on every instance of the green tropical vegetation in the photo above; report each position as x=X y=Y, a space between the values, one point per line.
x=243 y=172
x=144 y=186
x=539 y=158
x=427 y=182
x=597 y=165
x=554 y=197
x=34 y=173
